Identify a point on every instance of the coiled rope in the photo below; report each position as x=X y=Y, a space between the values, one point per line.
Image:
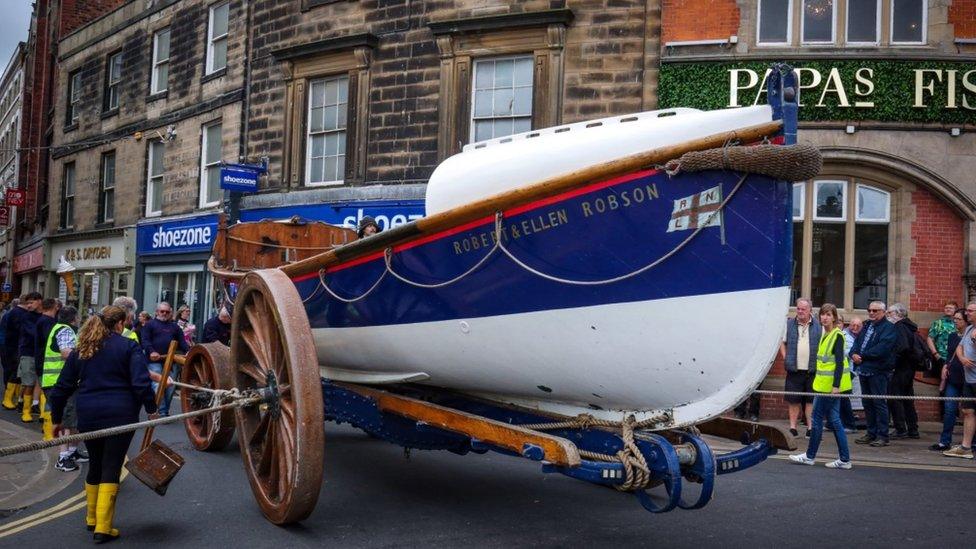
x=637 y=474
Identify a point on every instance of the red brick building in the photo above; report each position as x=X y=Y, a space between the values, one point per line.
x=888 y=92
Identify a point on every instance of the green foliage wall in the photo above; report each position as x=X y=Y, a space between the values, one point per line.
x=705 y=85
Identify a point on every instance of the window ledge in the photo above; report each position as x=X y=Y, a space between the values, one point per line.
x=214 y=75
x=309 y=4
x=64 y=230
x=502 y=22
x=110 y=113
x=105 y=224
x=70 y=127
x=157 y=96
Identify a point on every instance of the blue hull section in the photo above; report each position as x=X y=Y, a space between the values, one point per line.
x=602 y=231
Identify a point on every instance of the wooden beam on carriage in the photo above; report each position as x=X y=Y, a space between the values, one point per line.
x=747 y=432
x=557 y=450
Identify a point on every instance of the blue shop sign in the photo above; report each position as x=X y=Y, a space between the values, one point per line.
x=235 y=177
x=387 y=213
x=179 y=236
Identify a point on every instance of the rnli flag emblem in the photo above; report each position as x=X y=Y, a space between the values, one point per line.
x=698 y=210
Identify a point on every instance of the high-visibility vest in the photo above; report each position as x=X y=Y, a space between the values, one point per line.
x=823 y=382
x=131 y=334
x=53 y=362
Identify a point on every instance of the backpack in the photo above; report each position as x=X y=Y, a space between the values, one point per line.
x=919 y=353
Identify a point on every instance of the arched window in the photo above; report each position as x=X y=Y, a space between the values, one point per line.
x=840 y=242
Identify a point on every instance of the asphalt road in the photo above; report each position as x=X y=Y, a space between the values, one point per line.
x=373 y=497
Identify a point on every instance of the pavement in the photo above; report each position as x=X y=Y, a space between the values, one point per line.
x=27 y=478
x=905 y=453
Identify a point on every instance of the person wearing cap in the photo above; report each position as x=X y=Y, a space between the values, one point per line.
x=367 y=227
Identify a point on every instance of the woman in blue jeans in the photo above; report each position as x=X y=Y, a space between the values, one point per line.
x=833 y=376
x=953 y=377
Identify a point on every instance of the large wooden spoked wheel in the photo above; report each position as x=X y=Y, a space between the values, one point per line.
x=281 y=439
x=207 y=365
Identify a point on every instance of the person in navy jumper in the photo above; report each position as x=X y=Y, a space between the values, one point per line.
x=109 y=374
x=155 y=337
x=873 y=355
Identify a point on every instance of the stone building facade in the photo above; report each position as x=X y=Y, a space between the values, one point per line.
x=148 y=104
x=11 y=94
x=889 y=95
x=406 y=72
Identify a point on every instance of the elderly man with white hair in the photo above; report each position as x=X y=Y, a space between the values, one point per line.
x=874 y=355
x=130 y=306
x=908 y=353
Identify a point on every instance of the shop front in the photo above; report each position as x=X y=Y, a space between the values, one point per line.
x=28 y=269
x=98 y=264
x=172 y=265
x=387 y=213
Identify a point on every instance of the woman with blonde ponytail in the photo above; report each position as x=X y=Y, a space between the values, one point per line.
x=110 y=374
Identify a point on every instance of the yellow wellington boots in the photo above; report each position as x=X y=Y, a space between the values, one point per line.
x=13 y=389
x=26 y=416
x=47 y=427
x=104 y=512
x=45 y=414
x=91 y=494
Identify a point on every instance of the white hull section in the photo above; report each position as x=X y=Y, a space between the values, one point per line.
x=693 y=356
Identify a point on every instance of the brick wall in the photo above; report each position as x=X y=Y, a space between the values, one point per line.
x=77 y=13
x=938 y=262
x=962 y=15
x=700 y=20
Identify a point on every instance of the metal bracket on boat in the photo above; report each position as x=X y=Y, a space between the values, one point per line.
x=702 y=471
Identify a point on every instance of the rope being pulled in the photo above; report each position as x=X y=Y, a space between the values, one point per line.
x=789 y=162
x=637 y=473
x=80 y=437
x=863 y=396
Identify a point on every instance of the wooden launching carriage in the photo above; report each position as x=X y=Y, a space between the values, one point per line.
x=273 y=354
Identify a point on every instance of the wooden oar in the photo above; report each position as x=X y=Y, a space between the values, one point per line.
x=517 y=197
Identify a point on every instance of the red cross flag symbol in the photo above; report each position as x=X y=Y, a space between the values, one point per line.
x=697 y=210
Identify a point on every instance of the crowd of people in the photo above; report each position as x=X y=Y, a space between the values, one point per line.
x=879 y=357
x=101 y=375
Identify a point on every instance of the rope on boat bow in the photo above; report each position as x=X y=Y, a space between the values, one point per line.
x=498 y=237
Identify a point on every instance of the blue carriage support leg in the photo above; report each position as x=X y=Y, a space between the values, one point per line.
x=671 y=457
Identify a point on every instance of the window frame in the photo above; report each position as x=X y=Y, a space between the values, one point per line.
x=879 y=10
x=857 y=204
x=73 y=115
x=67 y=217
x=803 y=201
x=103 y=190
x=308 y=131
x=816 y=195
x=152 y=180
x=211 y=39
x=854 y=178
x=833 y=27
x=204 y=165
x=789 y=26
x=156 y=62
x=891 y=25
x=472 y=117
x=113 y=88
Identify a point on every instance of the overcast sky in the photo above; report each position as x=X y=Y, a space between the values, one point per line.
x=14 y=24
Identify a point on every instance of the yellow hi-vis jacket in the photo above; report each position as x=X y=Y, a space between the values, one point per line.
x=131 y=334
x=823 y=382
x=53 y=362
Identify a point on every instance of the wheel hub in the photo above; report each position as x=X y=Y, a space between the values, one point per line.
x=270 y=396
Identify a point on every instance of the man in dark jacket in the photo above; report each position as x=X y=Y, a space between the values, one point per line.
x=21 y=326
x=873 y=355
x=156 y=336
x=903 y=413
x=218 y=328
